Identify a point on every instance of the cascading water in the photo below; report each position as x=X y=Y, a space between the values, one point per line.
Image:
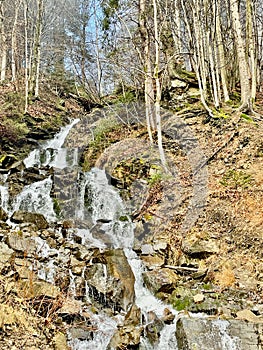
x=51 y=153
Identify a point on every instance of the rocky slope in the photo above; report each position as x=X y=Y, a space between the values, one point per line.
x=198 y=233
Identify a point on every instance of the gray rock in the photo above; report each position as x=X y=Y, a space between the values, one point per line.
x=200 y=334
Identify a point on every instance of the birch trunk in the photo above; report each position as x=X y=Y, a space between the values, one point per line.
x=244 y=73
x=158 y=86
x=14 y=42
x=3 y=43
x=251 y=49
x=148 y=83
x=221 y=58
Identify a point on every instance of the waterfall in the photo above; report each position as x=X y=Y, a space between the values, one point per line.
x=104 y=222
x=51 y=153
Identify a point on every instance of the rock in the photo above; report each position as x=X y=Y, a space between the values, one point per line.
x=199 y=334
x=3 y=215
x=34 y=218
x=70 y=307
x=198 y=298
x=20 y=242
x=36 y=288
x=111 y=280
x=127 y=337
x=5 y=254
x=152 y=262
x=76 y=266
x=160 y=280
x=153 y=330
x=168 y=316
x=200 y=248
x=133 y=316
x=249 y=316
x=81 y=333
x=147 y=249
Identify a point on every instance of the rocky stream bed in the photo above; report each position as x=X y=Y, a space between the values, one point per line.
x=112 y=260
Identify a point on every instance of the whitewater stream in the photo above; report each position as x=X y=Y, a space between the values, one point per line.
x=108 y=207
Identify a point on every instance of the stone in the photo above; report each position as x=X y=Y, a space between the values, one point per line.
x=36 y=288
x=70 y=306
x=18 y=241
x=168 y=316
x=249 y=316
x=198 y=298
x=200 y=248
x=160 y=280
x=199 y=334
x=153 y=261
x=127 y=337
x=35 y=218
x=3 y=215
x=5 y=254
x=111 y=280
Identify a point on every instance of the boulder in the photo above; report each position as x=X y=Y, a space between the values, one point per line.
x=160 y=280
x=199 y=334
x=34 y=218
x=111 y=280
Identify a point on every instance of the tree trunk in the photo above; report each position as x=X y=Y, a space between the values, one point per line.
x=35 y=70
x=26 y=54
x=148 y=83
x=244 y=73
x=158 y=87
x=251 y=49
x=14 y=42
x=221 y=58
x=3 y=43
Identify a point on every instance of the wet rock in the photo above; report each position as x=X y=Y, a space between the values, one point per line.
x=168 y=316
x=160 y=280
x=128 y=335
x=3 y=215
x=199 y=334
x=153 y=330
x=111 y=280
x=35 y=218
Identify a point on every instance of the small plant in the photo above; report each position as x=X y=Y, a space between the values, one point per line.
x=236 y=179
